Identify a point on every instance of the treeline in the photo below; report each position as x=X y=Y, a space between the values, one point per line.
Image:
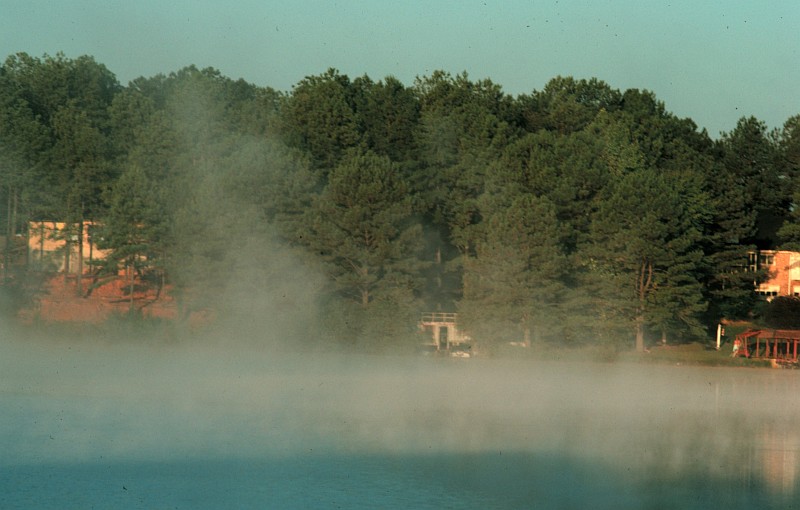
x=570 y=214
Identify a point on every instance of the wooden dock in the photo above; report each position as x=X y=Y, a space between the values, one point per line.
x=443 y=326
x=775 y=344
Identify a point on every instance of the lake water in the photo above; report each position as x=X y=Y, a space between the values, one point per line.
x=124 y=427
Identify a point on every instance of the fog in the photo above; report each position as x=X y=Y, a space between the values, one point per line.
x=255 y=385
x=81 y=402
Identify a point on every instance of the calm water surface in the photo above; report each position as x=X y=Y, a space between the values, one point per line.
x=120 y=427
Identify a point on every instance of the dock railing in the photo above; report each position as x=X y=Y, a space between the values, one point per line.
x=439 y=318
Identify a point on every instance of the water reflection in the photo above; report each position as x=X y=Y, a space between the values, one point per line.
x=516 y=434
x=775 y=451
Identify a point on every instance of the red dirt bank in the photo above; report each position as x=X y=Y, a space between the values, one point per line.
x=60 y=302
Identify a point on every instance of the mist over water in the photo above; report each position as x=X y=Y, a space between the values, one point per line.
x=240 y=417
x=199 y=427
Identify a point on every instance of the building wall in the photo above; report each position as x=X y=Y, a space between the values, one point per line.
x=784 y=273
x=47 y=244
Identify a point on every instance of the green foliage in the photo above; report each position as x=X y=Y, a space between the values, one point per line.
x=641 y=263
x=574 y=213
x=388 y=114
x=132 y=231
x=515 y=277
x=362 y=227
x=320 y=118
x=53 y=115
x=749 y=198
x=789 y=150
x=750 y=157
x=567 y=105
x=783 y=312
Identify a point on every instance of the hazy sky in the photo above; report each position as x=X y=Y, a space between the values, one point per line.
x=713 y=61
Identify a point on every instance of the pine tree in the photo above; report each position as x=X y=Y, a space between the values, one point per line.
x=362 y=226
x=516 y=274
x=130 y=232
x=642 y=256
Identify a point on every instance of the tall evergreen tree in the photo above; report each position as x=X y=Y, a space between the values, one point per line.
x=131 y=232
x=388 y=113
x=749 y=202
x=516 y=274
x=567 y=105
x=642 y=255
x=24 y=146
x=320 y=117
x=789 y=143
x=751 y=159
x=464 y=126
x=363 y=228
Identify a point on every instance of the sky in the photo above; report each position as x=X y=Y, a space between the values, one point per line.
x=713 y=61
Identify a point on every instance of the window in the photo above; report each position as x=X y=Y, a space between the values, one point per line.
x=752 y=262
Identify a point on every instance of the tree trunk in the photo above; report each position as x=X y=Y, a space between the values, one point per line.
x=644 y=283
x=7 y=247
x=79 y=275
x=466 y=288
x=67 y=250
x=41 y=246
x=91 y=260
x=640 y=333
x=14 y=214
x=131 y=288
x=364 y=290
x=13 y=229
x=28 y=253
x=162 y=275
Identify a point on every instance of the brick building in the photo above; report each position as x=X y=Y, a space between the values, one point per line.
x=784 y=272
x=47 y=247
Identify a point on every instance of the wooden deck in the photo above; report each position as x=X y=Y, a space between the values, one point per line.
x=439 y=318
x=775 y=344
x=444 y=330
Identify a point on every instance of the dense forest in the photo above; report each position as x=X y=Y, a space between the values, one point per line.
x=574 y=213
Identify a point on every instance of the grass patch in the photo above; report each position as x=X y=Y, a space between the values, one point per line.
x=696 y=354
x=692 y=354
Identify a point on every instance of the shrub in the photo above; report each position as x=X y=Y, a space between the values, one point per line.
x=783 y=312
